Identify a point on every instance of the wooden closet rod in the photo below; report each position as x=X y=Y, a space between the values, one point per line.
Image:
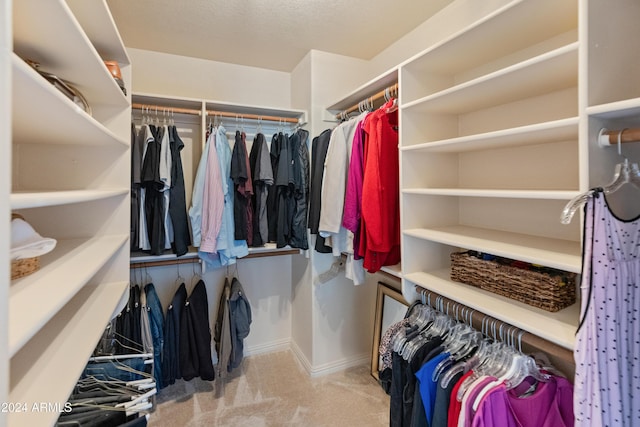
x=375 y=97
x=194 y=259
x=610 y=137
x=530 y=342
x=160 y=109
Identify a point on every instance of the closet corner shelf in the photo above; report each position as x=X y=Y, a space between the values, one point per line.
x=546 y=73
x=547 y=132
x=510 y=194
x=627 y=108
x=76 y=60
x=39 y=122
x=35 y=299
x=558 y=327
x=25 y=200
x=48 y=367
x=555 y=253
x=376 y=84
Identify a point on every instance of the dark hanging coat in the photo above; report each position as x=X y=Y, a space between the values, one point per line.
x=177 y=201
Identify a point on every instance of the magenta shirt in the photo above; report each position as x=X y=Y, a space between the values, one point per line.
x=551 y=405
x=353 y=195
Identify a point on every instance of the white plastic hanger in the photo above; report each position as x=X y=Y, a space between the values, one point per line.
x=625 y=173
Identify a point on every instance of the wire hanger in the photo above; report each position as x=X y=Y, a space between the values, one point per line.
x=625 y=173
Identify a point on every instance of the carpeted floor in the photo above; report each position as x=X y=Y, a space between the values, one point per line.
x=273 y=390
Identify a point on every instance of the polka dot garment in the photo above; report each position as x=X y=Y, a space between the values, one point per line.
x=608 y=339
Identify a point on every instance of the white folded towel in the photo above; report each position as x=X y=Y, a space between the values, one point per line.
x=26 y=242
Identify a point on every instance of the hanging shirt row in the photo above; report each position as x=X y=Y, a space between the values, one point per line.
x=354 y=205
x=442 y=373
x=158 y=207
x=245 y=198
x=241 y=197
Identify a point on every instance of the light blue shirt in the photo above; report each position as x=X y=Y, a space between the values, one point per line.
x=195 y=212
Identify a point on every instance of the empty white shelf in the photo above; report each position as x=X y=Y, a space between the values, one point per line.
x=24 y=200
x=49 y=366
x=546 y=73
x=559 y=327
x=539 y=133
x=36 y=298
x=555 y=253
x=511 y=194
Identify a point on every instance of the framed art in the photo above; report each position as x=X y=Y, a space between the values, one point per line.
x=390 y=308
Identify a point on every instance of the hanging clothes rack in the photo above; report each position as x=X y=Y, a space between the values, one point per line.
x=530 y=342
x=391 y=91
x=608 y=137
x=213 y=113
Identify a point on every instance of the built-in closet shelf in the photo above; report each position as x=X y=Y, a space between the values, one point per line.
x=562 y=254
x=558 y=327
x=269 y=249
x=510 y=194
x=540 y=133
x=393 y=270
x=381 y=82
x=63 y=50
x=97 y=22
x=42 y=114
x=48 y=367
x=510 y=29
x=552 y=71
x=25 y=200
x=628 y=108
x=35 y=299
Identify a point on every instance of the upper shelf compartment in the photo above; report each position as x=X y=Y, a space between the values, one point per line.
x=64 y=50
x=95 y=18
x=39 y=122
x=520 y=30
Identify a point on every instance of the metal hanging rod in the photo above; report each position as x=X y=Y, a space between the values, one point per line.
x=193 y=111
x=478 y=319
x=391 y=91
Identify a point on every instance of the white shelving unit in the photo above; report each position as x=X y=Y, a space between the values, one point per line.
x=70 y=180
x=490 y=154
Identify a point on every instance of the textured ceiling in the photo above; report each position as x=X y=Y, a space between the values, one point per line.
x=273 y=34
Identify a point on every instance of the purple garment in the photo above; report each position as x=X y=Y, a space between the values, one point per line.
x=607 y=381
x=551 y=405
x=353 y=195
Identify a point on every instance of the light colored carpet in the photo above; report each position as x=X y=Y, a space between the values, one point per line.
x=273 y=390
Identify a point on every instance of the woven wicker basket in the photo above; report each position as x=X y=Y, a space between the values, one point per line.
x=550 y=290
x=23 y=267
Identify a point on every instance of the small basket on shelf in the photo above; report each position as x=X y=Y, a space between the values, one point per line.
x=542 y=287
x=23 y=267
x=26 y=247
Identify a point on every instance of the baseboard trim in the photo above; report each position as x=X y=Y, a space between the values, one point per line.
x=270 y=347
x=328 y=368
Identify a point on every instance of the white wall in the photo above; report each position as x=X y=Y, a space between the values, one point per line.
x=174 y=75
x=266 y=284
